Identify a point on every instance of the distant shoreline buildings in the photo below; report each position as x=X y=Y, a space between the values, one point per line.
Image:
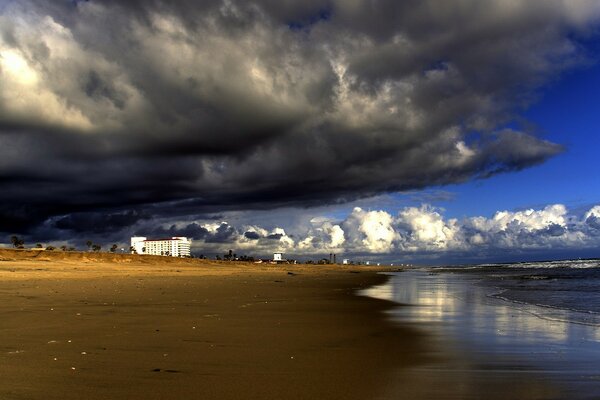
x=176 y=246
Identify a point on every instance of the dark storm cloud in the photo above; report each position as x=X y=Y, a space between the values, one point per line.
x=251 y=235
x=98 y=222
x=223 y=234
x=593 y=222
x=193 y=231
x=554 y=230
x=95 y=87
x=178 y=108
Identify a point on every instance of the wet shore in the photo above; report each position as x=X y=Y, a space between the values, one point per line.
x=487 y=347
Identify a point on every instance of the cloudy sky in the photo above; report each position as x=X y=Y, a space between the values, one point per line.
x=417 y=130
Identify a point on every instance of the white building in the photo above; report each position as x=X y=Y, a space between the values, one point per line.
x=277 y=256
x=174 y=246
x=346 y=261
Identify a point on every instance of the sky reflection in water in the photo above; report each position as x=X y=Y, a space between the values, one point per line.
x=461 y=315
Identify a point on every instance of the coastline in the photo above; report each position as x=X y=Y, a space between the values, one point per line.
x=486 y=347
x=85 y=326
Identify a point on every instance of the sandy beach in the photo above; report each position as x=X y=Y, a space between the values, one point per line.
x=103 y=326
x=80 y=325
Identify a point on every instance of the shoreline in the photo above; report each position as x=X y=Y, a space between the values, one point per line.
x=96 y=328
x=487 y=347
x=92 y=328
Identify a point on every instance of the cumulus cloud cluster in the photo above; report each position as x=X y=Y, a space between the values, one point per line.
x=145 y=109
x=413 y=231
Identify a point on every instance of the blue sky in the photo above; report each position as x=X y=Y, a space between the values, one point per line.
x=568 y=113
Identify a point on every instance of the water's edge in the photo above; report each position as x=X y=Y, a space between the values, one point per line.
x=464 y=318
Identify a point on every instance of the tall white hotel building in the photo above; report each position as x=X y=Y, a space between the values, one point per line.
x=174 y=246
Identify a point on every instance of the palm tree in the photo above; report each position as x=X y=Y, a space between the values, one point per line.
x=89 y=244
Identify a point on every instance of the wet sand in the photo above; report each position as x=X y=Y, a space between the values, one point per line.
x=488 y=348
x=74 y=326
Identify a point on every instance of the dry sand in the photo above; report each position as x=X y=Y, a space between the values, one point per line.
x=101 y=326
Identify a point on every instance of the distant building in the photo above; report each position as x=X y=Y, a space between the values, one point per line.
x=174 y=246
x=277 y=256
x=346 y=261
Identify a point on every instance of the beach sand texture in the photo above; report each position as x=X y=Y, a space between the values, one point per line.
x=78 y=326
x=102 y=326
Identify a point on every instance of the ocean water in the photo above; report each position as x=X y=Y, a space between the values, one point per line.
x=563 y=290
x=537 y=320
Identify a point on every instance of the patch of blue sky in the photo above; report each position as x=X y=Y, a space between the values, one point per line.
x=309 y=21
x=567 y=113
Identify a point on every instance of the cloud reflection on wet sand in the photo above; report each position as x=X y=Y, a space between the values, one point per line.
x=483 y=341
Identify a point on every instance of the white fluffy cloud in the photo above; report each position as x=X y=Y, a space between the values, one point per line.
x=412 y=231
x=323 y=235
x=593 y=212
x=424 y=228
x=370 y=231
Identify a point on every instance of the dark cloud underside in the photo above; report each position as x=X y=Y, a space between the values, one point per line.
x=112 y=112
